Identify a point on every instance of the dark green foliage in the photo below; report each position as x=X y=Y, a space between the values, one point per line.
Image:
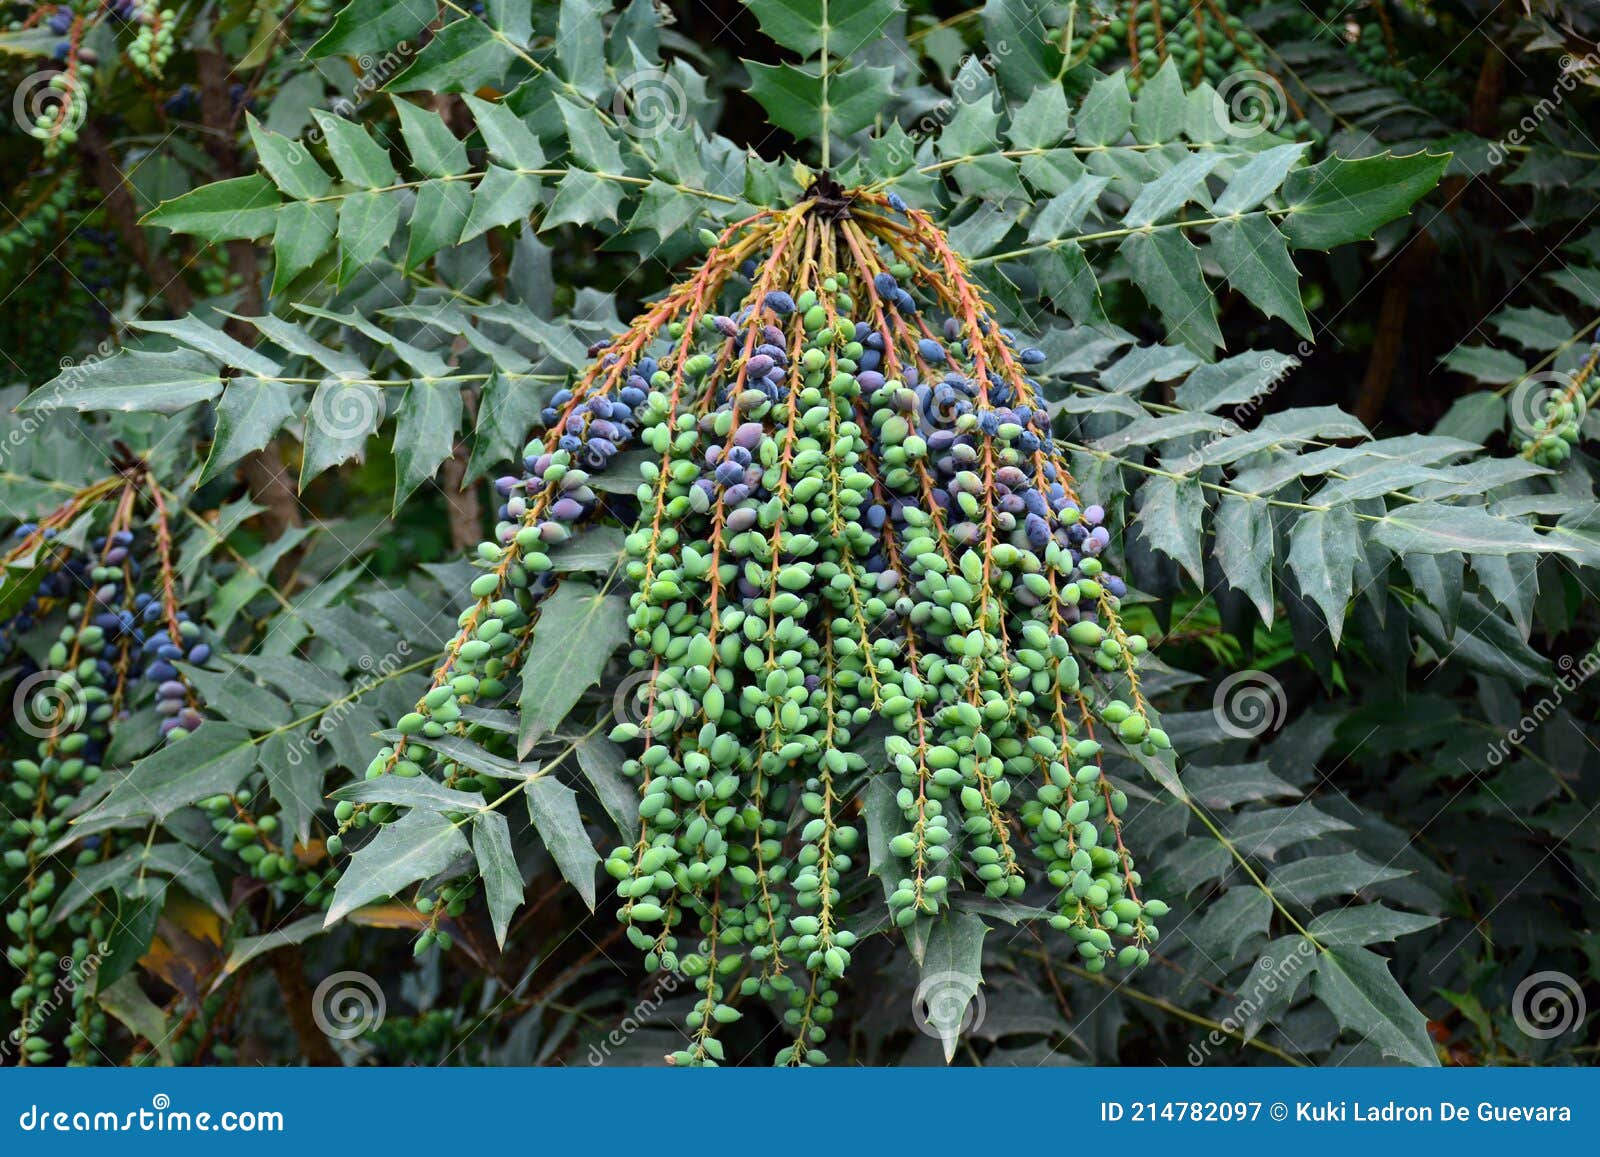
x=1202 y=675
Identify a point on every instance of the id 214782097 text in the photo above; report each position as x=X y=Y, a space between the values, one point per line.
x=1330 y=1112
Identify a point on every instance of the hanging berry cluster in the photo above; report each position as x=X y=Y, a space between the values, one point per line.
x=57 y=114
x=851 y=510
x=1221 y=42
x=1371 y=36
x=95 y=639
x=1204 y=38
x=1548 y=435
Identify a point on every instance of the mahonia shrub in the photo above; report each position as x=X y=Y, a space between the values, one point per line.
x=850 y=509
x=812 y=580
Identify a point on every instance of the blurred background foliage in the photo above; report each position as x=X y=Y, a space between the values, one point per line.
x=1476 y=859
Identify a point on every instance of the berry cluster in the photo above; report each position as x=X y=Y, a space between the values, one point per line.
x=56 y=123
x=1548 y=436
x=1216 y=41
x=255 y=835
x=185 y=101
x=57 y=112
x=1206 y=43
x=194 y=1040
x=39 y=214
x=152 y=42
x=1371 y=42
x=1203 y=39
x=426 y=1038
x=95 y=648
x=852 y=517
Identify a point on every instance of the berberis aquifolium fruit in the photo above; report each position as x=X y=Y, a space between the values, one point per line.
x=95 y=640
x=1548 y=436
x=57 y=112
x=850 y=510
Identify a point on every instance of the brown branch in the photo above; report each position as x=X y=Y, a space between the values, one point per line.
x=1405 y=274
x=165 y=279
x=287 y=967
x=462 y=501
x=1490 y=88
x=1412 y=267
x=465 y=510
